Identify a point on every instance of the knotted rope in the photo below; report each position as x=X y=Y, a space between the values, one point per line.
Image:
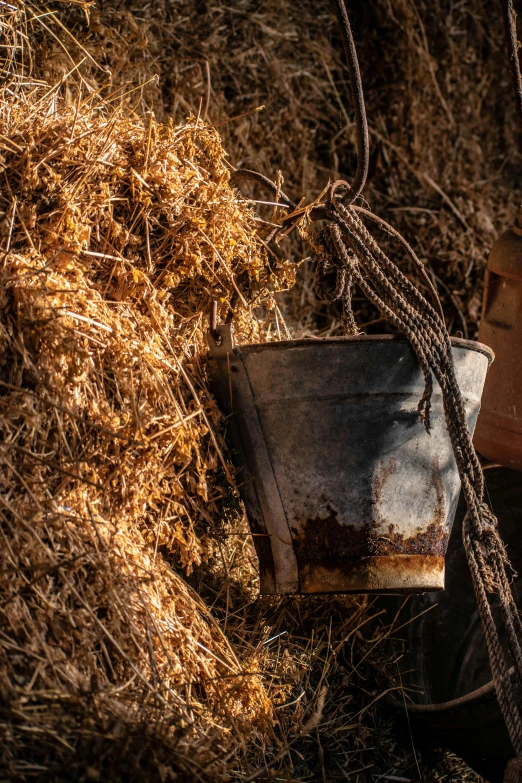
x=347 y=246
x=350 y=247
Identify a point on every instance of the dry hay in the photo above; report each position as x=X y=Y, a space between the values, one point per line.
x=116 y=235
x=88 y=401
x=445 y=162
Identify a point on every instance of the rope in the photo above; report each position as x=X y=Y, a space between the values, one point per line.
x=361 y=124
x=347 y=247
x=510 y=26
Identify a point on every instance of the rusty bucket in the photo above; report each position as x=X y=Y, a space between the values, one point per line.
x=345 y=491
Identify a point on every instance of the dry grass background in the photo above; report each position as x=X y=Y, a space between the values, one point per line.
x=443 y=132
x=132 y=643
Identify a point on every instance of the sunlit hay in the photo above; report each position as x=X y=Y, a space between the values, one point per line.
x=116 y=235
x=445 y=160
x=444 y=153
x=444 y=182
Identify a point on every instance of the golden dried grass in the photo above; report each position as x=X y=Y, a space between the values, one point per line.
x=445 y=160
x=116 y=234
x=217 y=60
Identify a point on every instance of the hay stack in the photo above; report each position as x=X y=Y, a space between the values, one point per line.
x=116 y=234
x=445 y=164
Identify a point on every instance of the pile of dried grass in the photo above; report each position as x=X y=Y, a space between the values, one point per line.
x=116 y=234
x=440 y=173
x=445 y=161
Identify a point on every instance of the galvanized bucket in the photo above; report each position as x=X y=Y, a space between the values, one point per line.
x=344 y=489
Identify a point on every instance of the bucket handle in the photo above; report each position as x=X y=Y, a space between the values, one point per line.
x=220 y=338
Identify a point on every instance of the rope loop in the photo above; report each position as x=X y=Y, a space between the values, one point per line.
x=347 y=246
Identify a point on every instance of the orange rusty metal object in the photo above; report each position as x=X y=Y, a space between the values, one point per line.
x=499 y=428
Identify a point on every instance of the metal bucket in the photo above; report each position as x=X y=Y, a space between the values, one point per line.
x=445 y=667
x=344 y=489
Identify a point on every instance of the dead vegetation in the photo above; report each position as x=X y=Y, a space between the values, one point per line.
x=116 y=234
x=445 y=160
x=129 y=627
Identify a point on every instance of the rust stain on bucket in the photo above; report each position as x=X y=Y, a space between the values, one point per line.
x=324 y=538
x=414 y=573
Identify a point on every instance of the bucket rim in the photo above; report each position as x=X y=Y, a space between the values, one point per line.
x=372 y=339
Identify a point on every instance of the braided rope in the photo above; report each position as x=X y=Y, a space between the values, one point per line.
x=514 y=771
x=350 y=247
